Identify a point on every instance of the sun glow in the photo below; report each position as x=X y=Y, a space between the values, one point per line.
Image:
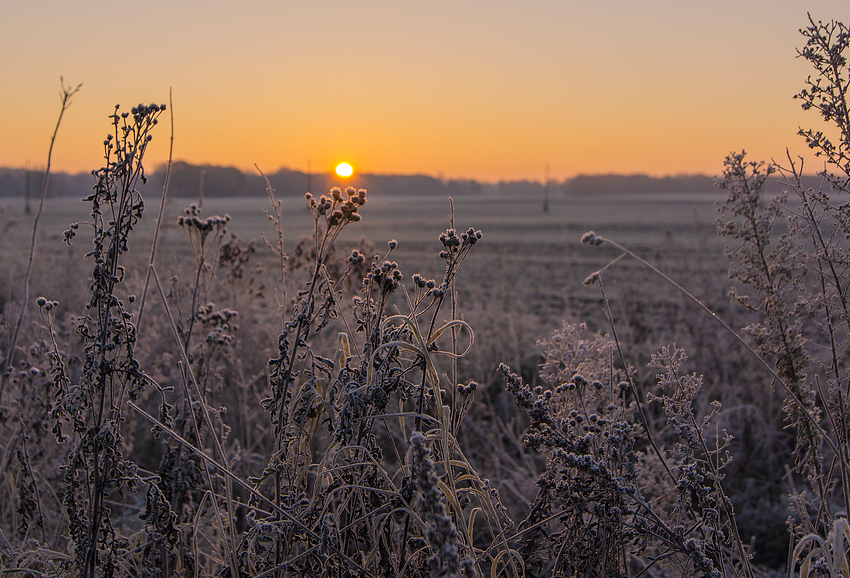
x=344 y=170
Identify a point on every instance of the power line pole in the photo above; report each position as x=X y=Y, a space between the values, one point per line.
x=27 y=189
x=201 y=190
x=546 y=191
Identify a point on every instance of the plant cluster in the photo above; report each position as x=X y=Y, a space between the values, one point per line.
x=790 y=269
x=358 y=450
x=594 y=510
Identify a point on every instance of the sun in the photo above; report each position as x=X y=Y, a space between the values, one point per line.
x=344 y=170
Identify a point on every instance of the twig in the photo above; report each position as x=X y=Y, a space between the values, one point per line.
x=159 y=216
x=65 y=97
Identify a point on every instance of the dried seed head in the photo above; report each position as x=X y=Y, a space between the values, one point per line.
x=591 y=279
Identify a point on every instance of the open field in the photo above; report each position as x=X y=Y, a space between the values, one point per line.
x=521 y=281
x=638 y=218
x=537 y=254
x=529 y=265
x=529 y=262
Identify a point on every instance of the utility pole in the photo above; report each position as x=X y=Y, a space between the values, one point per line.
x=201 y=190
x=309 y=184
x=546 y=191
x=27 y=189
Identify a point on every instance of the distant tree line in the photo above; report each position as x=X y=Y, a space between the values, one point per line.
x=14 y=182
x=188 y=180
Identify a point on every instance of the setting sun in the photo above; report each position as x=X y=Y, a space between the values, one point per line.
x=344 y=170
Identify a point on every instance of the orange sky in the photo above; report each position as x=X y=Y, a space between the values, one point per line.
x=479 y=89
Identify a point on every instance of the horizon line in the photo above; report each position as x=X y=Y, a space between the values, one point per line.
x=159 y=168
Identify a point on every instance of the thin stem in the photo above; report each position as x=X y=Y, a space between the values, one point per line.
x=65 y=97
x=632 y=385
x=159 y=216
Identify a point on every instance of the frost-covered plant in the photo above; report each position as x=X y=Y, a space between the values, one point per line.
x=825 y=49
x=769 y=264
x=797 y=279
x=827 y=557
x=791 y=269
x=334 y=504
x=97 y=469
x=447 y=559
x=593 y=513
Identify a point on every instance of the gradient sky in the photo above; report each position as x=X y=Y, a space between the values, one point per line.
x=461 y=89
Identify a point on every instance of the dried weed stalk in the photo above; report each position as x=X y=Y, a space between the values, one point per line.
x=97 y=470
